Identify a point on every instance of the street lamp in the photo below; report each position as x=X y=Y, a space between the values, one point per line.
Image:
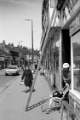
x=31 y=37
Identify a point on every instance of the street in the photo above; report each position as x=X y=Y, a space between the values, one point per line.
x=5 y=80
x=13 y=101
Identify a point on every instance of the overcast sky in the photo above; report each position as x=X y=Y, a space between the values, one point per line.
x=14 y=28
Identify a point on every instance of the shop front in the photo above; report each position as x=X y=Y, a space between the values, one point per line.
x=75 y=67
x=2 y=63
x=73 y=24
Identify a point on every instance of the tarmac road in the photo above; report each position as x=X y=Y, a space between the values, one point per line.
x=5 y=80
x=13 y=102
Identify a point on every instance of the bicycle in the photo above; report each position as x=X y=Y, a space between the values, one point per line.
x=52 y=104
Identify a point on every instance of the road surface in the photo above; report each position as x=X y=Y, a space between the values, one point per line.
x=5 y=80
x=13 y=102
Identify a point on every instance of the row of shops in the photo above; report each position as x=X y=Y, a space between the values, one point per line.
x=4 y=61
x=10 y=55
x=16 y=55
x=61 y=44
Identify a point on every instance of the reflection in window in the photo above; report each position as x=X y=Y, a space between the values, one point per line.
x=76 y=64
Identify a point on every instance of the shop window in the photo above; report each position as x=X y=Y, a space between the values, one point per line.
x=76 y=61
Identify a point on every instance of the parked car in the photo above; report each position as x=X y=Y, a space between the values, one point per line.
x=12 y=70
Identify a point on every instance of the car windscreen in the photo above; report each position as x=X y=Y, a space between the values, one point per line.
x=12 y=67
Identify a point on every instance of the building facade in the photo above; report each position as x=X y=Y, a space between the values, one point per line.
x=61 y=44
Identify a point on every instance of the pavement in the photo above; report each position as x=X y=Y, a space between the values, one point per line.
x=14 y=99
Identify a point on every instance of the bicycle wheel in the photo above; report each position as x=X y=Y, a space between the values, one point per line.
x=51 y=105
x=45 y=106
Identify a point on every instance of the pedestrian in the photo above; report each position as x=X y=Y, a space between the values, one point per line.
x=64 y=93
x=23 y=67
x=66 y=81
x=27 y=76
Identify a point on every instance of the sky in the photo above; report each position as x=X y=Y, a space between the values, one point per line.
x=13 y=26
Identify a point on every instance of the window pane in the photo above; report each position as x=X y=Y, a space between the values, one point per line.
x=76 y=61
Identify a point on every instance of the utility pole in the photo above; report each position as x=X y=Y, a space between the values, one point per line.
x=32 y=43
x=54 y=14
x=31 y=38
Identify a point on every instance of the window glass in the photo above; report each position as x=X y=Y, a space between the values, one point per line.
x=76 y=61
x=12 y=67
x=56 y=64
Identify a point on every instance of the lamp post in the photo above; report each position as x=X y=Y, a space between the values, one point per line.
x=31 y=37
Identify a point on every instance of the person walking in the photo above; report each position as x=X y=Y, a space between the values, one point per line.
x=27 y=76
